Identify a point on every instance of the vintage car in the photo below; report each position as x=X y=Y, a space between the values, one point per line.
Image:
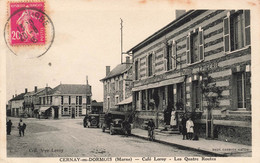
x=91 y=120
x=116 y=122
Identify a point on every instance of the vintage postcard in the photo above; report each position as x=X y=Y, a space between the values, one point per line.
x=129 y=81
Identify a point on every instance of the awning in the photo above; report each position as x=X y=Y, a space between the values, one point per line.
x=43 y=109
x=159 y=84
x=125 y=101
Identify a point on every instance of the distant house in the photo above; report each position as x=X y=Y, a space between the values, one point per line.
x=32 y=100
x=96 y=107
x=16 y=105
x=66 y=101
x=117 y=85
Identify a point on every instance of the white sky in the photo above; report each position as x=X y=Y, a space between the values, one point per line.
x=87 y=39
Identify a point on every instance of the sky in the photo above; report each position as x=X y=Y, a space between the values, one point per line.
x=87 y=39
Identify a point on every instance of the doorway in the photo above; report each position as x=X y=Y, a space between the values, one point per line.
x=56 y=113
x=73 y=113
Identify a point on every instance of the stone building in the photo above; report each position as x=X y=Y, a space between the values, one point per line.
x=166 y=69
x=32 y=100
x=16 y=105
x=117 y=85
x=66 y=101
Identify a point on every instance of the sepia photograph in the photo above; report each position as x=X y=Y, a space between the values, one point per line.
x=129 y=81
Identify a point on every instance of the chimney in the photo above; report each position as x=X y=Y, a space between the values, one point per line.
x=127 y=61
x=35 y=89
x=26 y=90
x=13 y=96
x=107 y=70
x=179 y=13
x=87 y=79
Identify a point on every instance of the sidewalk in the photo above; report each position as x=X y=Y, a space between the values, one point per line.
x=215 y=147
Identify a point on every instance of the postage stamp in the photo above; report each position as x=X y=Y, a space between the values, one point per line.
x=26 y=23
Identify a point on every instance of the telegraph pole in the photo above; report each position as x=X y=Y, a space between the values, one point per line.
x=121 y=24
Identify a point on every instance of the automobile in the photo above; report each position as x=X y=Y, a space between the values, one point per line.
x=91 y=120
x=116 y=122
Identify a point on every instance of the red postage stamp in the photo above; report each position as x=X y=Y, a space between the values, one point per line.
x=27 y=23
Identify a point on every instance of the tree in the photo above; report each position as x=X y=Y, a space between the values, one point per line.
x=212 y=94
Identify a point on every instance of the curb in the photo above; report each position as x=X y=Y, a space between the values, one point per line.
x=182 y=146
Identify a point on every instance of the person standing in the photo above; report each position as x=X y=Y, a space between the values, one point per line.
x=173 y=118
x=184 y=129
x=21 y=127
x=9 y=127
x=151 y=127
x=189 y=127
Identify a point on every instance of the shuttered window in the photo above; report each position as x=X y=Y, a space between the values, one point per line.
x=150 y=65
x=236 y=30
x=195 y=46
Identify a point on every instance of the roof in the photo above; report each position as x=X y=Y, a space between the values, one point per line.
x=19 y=97
x=97 y=104
x=32 y=92
x=71 y=89
x=125 y=101
x=182 y=19
x=118 y=70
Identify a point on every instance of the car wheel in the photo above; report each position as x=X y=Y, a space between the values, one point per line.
x=103 y=129
x=111 y=131
x=93 y=122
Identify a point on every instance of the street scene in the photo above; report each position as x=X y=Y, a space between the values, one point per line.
x=181 y=90
x=68 y=138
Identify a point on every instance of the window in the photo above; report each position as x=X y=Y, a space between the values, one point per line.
x=80 y=110
x=242 y=90
x=88 y=100
x=117 y=85
x=108 y=103
x=40 y=99
x=136 y=70
x=108 y=87
x=241 y=100
x=117 y=99
x=236 y=30
x=150 y=65
x=43 y=100
x=69 y=100
x=50 y=99
x=195 y=95
x=77 y=100
x=195 y=46
x=171 y=56
x=143 y=102
x=80 y=100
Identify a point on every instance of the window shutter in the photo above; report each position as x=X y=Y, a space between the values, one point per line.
x=153 y=62
x=234 y=91
x=247 y=27
x=174 y=55
x=134 y=72
x=147 y=68
x=165 y=56
x=188 y=49
x=248 y=90
x=226 y=34
x=139 y=68
x=201 y=44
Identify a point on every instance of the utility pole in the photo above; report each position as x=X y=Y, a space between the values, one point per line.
x=121 y=24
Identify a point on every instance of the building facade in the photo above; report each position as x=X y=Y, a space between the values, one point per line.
x=32 y=101
x=66 y=101
x=16 y=105
x=166 y=68
x=117 y=85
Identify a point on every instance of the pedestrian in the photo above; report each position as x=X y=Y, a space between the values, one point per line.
x=21 y=127
x=151 y=127
x=189 y=127
x=184 y=130
x=9 y=127
x=173 y=118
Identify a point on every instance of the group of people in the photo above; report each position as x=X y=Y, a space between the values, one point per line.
x=21 y=127
x=187 y=128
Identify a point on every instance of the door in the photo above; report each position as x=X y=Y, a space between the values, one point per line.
x=56 y=113
x=73 y=113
